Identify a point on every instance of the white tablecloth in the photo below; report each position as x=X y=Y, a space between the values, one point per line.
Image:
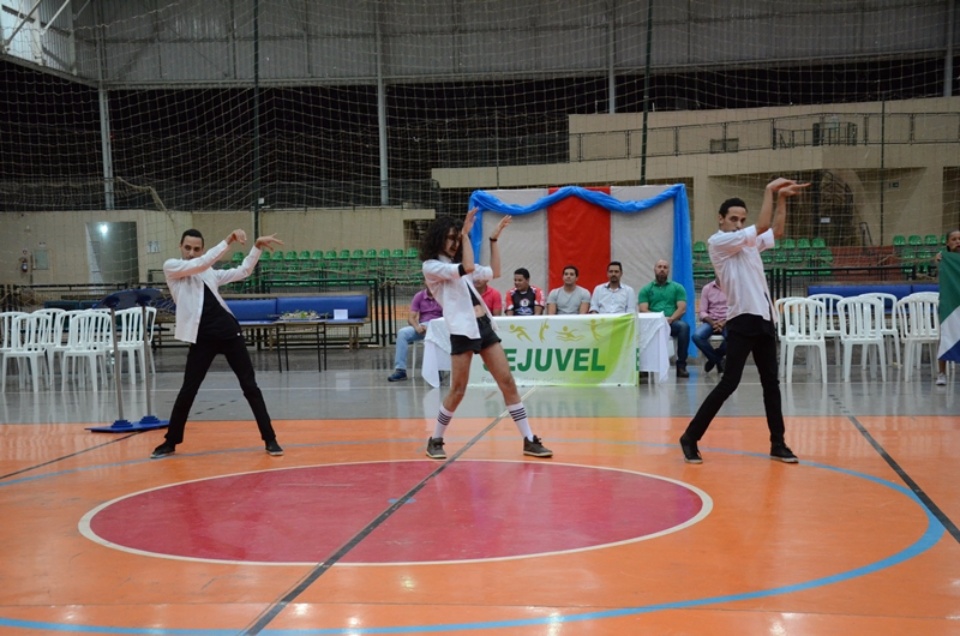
x=654 y=345
x=436 y=352
x=653 y=348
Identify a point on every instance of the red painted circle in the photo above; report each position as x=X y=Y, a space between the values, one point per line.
x=470 y=510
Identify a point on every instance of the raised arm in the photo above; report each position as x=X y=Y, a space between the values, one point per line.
x=775 y=195
x=469 y=261
x=495 y=246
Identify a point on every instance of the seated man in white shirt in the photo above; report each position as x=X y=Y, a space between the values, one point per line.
x=612 y=297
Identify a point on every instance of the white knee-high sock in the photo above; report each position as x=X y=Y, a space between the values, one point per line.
x=519 y=414
x=443 y=419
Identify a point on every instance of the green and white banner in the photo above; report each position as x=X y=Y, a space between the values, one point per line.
x=566 y=350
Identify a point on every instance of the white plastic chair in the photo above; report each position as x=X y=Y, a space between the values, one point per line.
x=56 y=350
x=861 y=325
x=130 y=340
x=89 y=337
x=890 y=329
x=831 y=324
x=919 y=321
x=803 y=326
x=52 y=338
x=26 y=343
x=781 y=334
x=6 y=328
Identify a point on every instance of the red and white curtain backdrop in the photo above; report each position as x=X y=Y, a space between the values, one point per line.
x=574 y=231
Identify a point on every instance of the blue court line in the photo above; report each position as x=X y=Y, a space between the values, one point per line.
x=934 y=531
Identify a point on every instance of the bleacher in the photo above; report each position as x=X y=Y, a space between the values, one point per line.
x=796 y=263
x=290 y=270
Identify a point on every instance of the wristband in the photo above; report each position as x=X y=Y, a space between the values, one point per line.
x=493 y=240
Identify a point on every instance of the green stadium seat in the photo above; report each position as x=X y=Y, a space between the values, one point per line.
x=915 y=240
x=931 y=240
x=413 y=252
x=397 y=253
x=823 y=259
x=804 y=244
x=700 y=255
x=899 y=244
x=788 y=244
x=818 y=243
x=317 y=255
x=330 y=255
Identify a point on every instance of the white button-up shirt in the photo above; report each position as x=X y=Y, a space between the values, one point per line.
x=453 y=291
x=186 y=278
x=613 y=301
x=736 y=259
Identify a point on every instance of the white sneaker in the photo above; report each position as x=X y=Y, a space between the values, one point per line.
x=941 y=379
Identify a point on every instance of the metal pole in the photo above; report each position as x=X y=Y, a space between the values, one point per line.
x=612 y=58
x=382 y=121
x=106 y=149
x=883 y=142
x=646 y=94
x=948 y=57
x=255 y=186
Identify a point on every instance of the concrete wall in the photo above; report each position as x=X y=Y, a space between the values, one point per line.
x=63 y=235
x=901 y=159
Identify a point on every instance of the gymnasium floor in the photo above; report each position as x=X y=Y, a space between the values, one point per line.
x=354 y=531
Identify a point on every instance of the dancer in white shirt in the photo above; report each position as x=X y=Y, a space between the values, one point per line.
x=204 y=321
x=450 y=272
x=735 y=253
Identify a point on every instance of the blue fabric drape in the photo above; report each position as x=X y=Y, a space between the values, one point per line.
x=682 y=266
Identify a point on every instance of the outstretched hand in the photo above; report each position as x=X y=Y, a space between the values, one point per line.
x=504 y=222
x=268 y=242
x=468 y=222
x=792 y=189
x=786 y=187
x=238 y=236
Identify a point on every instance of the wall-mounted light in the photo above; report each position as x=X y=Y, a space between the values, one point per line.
x=104 y=228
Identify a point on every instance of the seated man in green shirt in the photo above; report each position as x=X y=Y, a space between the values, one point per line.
x=670 y=298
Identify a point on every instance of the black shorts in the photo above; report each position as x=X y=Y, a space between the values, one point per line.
x=462 y=344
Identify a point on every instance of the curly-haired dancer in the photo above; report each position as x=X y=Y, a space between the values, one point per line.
x=450 y=272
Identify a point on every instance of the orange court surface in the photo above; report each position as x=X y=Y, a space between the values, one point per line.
x=354 y=531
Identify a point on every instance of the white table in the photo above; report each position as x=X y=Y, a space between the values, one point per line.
x=651 y=345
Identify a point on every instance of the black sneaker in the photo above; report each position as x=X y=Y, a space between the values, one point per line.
x=691 y=454
x=708 y=367
x=535 y=449
x=682 y=371
x=780 y=452
x=163 y=450
x=435 y=448
x=274 y=449
x=399 y=375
